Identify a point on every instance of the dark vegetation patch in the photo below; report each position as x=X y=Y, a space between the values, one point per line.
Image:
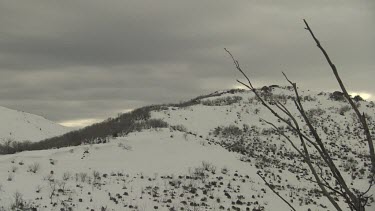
x=229 y=100
x=339 y=96
x=200 y=99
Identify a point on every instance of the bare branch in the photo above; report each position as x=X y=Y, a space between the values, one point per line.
x=239 y=69
x=355 y=202
x=325 y=155
x=361 y=118
x=273 y=190
x=296 y=129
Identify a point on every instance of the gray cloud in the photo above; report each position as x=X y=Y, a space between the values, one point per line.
x=91 y=59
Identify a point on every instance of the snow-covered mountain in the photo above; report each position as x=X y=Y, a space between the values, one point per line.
x=21 y=126
x=206 y=157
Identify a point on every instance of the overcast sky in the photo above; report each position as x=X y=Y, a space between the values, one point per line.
x=75 y=61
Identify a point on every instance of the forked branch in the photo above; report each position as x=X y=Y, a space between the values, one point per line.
x=273 y=190
x=355 y=202
x=361 y=117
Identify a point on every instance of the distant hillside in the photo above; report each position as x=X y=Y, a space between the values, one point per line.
x=136 y=120
x=22 y=126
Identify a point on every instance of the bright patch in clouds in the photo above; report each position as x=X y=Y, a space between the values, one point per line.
x=239 y=86
x=127 y=110
x=78 y=123
x=364 y=95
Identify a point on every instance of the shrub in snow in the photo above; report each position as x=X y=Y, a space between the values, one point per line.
x=209 y=167
x=337 y=96
x=19 y=203
x=344 y=109
x=185 y=136
x=66 y=176
x=350 y=164
x=224 y=170
x=315 y=112
x=10 y=177
x=124 y=146
x=357 y=98
x=61 y=186
x=52 y=161
x=38 y=188
x=49 y=177
x=229 y=100
x=231 y=130
x=180 y=128
x=198 y=173
x=14 y=169
x=96 y=175
x=281 y=98
x=34 y=167
x=83 y=177
x=308 y=98
x=52 y=189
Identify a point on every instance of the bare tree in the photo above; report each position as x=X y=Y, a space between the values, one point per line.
x=355 y=199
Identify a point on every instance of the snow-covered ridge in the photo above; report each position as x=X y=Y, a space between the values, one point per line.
x=206 y=159
x=22 y=126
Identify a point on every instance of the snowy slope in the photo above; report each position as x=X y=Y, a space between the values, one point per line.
x=154 y=172
x=237 y=126
x=22 y=126
x=208 y=159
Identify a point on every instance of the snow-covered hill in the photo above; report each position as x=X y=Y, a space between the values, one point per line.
x=21 y=126
x=206 y=159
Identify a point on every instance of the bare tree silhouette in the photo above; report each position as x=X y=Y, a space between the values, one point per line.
x=355 y=200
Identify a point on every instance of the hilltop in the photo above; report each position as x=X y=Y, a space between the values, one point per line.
x=22 y=126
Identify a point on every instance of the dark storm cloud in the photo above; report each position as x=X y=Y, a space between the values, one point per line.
x=92 y=59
